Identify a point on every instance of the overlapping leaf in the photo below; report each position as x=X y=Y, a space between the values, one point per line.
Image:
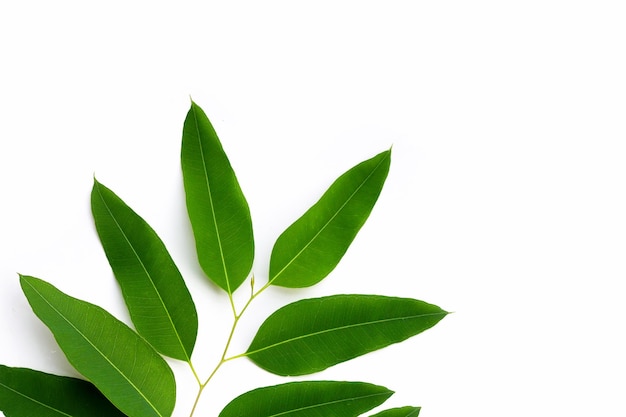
x=399 y=412
x=314 y=244
x=158 y=300
x=310 y=335
x=218 y=211
x=28 y=393
x=119 y=362
x=308 y=399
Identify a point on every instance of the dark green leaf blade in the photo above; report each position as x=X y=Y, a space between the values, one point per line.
x=310 y=335
x=308 y=399
x=119 y=362
x=27 y=393
x=155 y=293
x=218 y=211
x=399 y=412
x=308 y=250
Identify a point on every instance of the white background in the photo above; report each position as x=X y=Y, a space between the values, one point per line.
x=505 y=202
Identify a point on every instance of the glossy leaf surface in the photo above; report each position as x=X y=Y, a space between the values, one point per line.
x=310 y=335
x=157 y=298
x=119 y=362
x=308 y=399
x=28 y=393
x=308 y=250
x=218 y=211
x=399 y=412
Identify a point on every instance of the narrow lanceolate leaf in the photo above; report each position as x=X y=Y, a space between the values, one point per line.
x=28 y=393
x=218 y=211
x=308 y=399
x=158 y=300
x=399 y=412
x=310 y=335
x=119 y=362
x=313 y=245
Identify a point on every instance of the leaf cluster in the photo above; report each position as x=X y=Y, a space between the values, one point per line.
x=124 y=369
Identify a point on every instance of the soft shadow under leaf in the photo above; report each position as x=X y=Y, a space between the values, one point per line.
x=310 y=335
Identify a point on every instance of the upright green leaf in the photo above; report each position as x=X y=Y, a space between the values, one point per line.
x=399 y=412
x=313 y=245
x=28 y=393
x=119 y=362
x=308 y=399
x=218 y=211
x=310 y=335
x=158 y=300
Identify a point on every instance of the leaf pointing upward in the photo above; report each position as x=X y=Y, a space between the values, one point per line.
x=313 y=245
x=218 y=211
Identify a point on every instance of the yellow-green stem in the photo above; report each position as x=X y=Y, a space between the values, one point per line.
x=224 y=359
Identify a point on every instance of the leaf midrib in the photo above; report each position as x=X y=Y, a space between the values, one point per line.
x=329 y=403
x=97 y=349
x=339 y=328
x=34 y=400
x=143 y=266
x=209 y=191
x=310 y=242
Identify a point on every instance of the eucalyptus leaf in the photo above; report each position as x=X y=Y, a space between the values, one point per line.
x=27 y=393
x=218 y=211
x=399 y=412
x=308 y=250
x=157 y=298
x=310 y=335
x=119 y=362
x=308 y=399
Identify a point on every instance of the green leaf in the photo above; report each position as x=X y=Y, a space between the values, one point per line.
x=27 y=393
x=158 y=300
x=119 y=362
x=218 y=211
x=310 y=335
x=308 y=399
x=399 y=412
x=313 y=245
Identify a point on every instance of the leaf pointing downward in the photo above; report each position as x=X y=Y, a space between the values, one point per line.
x=119 y=362
x=157 y=298
x=313 y=245
x=310 y=335
x=27 y=393
x=218 y=211
x=308 y=399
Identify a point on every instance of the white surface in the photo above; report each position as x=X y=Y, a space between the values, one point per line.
x=505 y=202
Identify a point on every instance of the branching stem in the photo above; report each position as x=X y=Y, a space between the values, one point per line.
x=225 y=359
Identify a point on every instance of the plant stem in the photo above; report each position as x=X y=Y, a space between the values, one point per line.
x=195 y=403
x=224 y=359
x=193 y=370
